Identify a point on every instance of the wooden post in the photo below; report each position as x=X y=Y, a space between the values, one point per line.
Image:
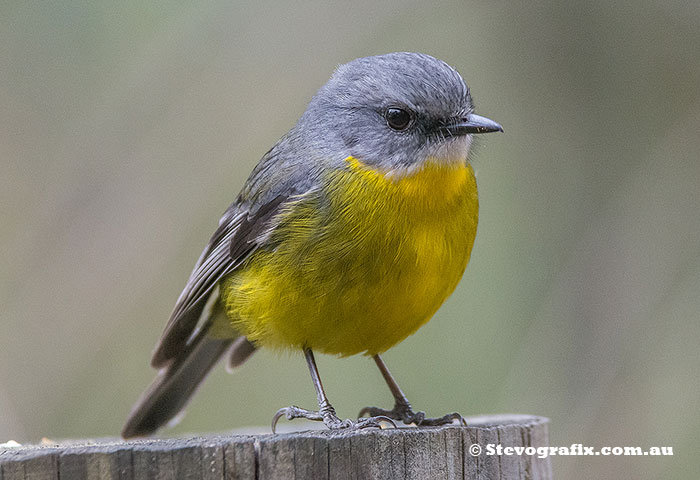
x=404 y=453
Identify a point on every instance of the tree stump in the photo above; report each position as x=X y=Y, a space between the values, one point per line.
x=449 y=452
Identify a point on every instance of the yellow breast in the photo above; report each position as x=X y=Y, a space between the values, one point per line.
x=362 y=266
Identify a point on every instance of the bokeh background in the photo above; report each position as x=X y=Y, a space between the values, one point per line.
x=127 y=128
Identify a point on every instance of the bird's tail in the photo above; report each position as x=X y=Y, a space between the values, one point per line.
x=179 y=380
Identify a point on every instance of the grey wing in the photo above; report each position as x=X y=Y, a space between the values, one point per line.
x=286 y=172
x=239 y=234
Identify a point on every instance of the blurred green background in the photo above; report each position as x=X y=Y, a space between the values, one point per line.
x=127 y=128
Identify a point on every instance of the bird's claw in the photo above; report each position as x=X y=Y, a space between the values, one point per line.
x=330 y=419
x=405 y=414
x=294 y=412
x=448 y=419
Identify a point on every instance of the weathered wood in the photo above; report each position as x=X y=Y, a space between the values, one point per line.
x=405 y=453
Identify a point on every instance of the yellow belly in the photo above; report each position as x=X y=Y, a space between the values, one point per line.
x=362 y=270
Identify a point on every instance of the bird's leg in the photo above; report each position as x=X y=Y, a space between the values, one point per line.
x=402 y=409
x=326 y=412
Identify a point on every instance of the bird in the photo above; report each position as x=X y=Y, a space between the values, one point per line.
x=346 y=238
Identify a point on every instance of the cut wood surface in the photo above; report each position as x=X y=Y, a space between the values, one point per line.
x=403 y=453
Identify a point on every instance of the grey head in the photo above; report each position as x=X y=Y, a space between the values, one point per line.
x=393 y=112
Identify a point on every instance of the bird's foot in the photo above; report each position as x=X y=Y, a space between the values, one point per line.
x=403 y=412
x=327 y=415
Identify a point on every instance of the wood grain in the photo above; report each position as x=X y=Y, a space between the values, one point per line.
x=404 y=453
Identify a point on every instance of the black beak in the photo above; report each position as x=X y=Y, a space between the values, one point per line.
x=471 y=124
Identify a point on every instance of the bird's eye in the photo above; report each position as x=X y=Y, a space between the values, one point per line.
x=397 y=118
